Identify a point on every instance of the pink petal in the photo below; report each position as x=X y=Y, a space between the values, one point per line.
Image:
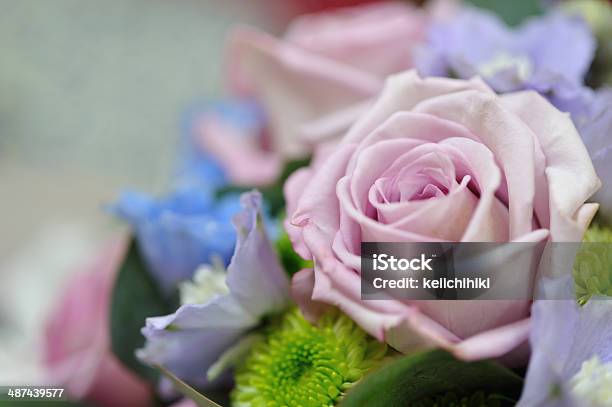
x=493 y=343
x=402 y=92
x=294 y=85
x=245 y=162
x=567 y=164
x=377 y=38
x=507 y=136
x=302 y=285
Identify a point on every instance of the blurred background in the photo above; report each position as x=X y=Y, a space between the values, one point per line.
x=91 y=96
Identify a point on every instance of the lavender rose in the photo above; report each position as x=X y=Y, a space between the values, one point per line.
x=439 y=160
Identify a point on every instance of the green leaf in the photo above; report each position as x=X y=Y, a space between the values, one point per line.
x=291 y=261
x=512 y=12
x=135 y=297
x=433 y=375
x=188 y=391
x=273 y=194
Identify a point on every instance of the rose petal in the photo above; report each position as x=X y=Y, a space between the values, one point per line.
x=302 y=285
x=507 y=136
x=567 y=163
x=402 y=92
x=376 y=38
x=294 y=85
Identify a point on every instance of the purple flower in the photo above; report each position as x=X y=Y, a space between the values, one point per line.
x=189 y=341
x=550 y=54
x=571 y=361
x=595 y=126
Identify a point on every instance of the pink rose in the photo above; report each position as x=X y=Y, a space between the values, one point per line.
x=438 y=160
x=78 y=353
x=325 y=62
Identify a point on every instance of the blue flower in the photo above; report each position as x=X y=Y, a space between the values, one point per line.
x=180 y=231
x=192 y=339
x=189 y=226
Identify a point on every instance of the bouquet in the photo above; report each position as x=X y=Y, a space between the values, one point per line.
x=362 y=127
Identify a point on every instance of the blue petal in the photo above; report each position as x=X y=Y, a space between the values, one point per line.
x=179 y=232
x=189 y=341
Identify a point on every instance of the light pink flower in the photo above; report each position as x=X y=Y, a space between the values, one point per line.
x=324 y=62
x=78 y=352
x=438 y=160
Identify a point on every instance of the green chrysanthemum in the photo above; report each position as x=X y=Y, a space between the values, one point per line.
x=298 y=364
x=593 y=265
x=598 y=234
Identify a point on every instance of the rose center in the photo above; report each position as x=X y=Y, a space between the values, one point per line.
x=427 y=183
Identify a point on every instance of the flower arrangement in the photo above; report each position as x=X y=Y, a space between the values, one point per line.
x=380 y=122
